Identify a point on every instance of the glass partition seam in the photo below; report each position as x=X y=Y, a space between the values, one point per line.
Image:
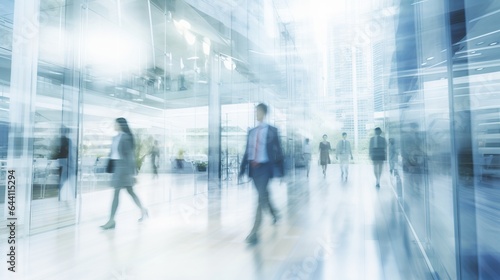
x=418 y=30
x=152 y=33
x=422 y=93
x=453 y=158
x=23 y=82
x=83 y=25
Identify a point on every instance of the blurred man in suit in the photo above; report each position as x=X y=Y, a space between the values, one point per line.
x=263 y=157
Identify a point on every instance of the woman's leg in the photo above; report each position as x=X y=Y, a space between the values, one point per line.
x=144 y=211
x=130 y=191
x=114 y=205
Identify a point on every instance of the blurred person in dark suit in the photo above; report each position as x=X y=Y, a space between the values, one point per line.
x=66 y=168
x=123 y=167
x=378 y=153
x=263 y=158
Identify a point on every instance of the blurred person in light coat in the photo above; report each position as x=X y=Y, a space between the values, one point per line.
x=122 y=165
x=343 y=153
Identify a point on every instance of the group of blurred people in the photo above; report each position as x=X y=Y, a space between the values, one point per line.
x=343 y=153
x=263 y=159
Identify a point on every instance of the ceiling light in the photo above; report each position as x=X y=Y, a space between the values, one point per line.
x=229 y=64
x=430 y=58
x=425 y=63
x=190 y=37
x=182 y=26
x=479 y=69
x=493 y=43
x=479 y=43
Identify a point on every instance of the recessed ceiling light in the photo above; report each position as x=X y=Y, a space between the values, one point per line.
x=425 y=63
x=493 y=43
x=430 y=58
x=479 y=43
x=479 y=69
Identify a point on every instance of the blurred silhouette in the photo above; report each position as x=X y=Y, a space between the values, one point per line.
x=306 y=154
x=123 y=167
x=65 y=166
x=180 y=159
x=393 y=155
x=263 y=155
x=155 y=158
x=413 y=150
x=324 y=154
x=378 y=154
x=343 y=152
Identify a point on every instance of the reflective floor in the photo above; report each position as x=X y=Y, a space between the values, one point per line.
x=328 y=230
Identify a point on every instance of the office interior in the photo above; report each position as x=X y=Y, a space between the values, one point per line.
x=189 y=73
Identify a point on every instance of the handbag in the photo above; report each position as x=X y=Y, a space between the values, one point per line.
x=110 y=167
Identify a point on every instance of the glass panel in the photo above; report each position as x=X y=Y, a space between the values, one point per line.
x=6 y=21
x=478 y=56
x=148 y=62
x=427 y=144
x=55 y=127
x=420 y=139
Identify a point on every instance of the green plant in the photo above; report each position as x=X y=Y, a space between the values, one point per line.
x=201 y=165
x=143 y=145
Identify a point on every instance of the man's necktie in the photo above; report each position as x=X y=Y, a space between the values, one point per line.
x=256 y=150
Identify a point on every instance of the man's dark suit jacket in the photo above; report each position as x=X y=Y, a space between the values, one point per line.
x=274 y=153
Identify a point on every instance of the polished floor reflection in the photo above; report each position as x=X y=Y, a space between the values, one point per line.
x=328 y=230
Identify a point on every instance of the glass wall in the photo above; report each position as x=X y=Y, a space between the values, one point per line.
x=6 y=22
x=479 y=51
x=443 y=121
